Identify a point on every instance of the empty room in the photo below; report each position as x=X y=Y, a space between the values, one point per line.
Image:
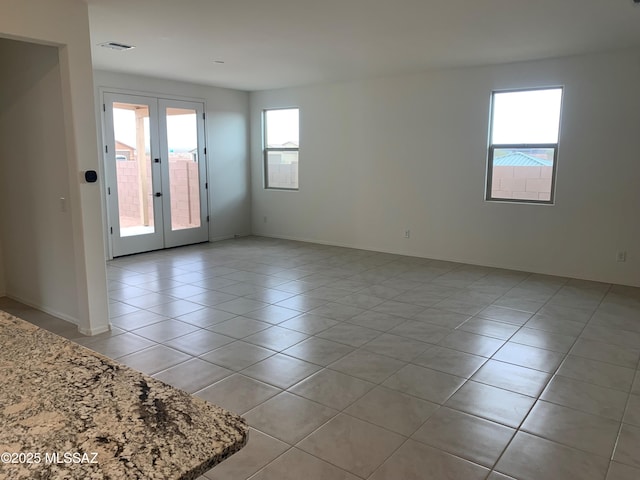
x=362 y=240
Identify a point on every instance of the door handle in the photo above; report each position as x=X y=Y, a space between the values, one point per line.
x=157 y=194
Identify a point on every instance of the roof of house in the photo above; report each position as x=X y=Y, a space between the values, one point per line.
x=519 y=159
x=121 y=145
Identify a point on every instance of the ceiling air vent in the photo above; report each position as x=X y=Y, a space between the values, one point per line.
x=116 y=46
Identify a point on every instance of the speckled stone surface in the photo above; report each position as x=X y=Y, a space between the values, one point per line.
x=59 y=398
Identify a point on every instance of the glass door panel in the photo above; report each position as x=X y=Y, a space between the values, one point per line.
x=184 y=182
x=133 y=168
x=184 y=177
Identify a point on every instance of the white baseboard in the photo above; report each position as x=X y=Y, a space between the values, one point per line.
x=45 y=309
x=94 y=331
x=229 y=237
x=331 y=244
x=62 y=316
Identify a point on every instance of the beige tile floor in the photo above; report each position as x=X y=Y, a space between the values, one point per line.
x=351 y=364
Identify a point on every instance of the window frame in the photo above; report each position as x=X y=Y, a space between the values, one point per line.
x=266 y=150
x=515 y=146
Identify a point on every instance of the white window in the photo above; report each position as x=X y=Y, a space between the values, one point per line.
x=281 y=145
x=523 y=145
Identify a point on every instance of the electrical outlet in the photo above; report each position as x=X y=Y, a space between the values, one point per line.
x=621 y=256
x=407 y=233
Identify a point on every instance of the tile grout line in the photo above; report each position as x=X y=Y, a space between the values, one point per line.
x=624 y=412
x=537 y=398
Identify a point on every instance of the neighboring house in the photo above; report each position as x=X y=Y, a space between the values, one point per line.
x=124 y=151
x=283 y=157
x=519 y=159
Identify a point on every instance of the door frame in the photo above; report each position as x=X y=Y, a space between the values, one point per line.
x=106 y=213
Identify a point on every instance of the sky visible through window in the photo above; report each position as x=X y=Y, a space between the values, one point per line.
x=282 y=127
x=181 y=129
x=124 y=127
x=531 y=116
x=182 y=132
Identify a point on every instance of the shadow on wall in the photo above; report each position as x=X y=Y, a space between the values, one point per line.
x=38 y=61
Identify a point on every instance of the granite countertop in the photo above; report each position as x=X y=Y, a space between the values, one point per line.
x=67 y=412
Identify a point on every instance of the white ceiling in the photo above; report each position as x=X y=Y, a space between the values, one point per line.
x=280 y=43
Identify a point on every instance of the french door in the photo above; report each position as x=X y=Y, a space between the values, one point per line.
x=155 y=173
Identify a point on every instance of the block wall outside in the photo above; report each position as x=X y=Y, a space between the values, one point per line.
x=184 y=193
x=129 y=193
x=283 y=175
x=524 y=183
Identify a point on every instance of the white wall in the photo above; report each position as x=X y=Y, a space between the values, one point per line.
x=227 y=144
x=63 y=24
x=382 y=155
